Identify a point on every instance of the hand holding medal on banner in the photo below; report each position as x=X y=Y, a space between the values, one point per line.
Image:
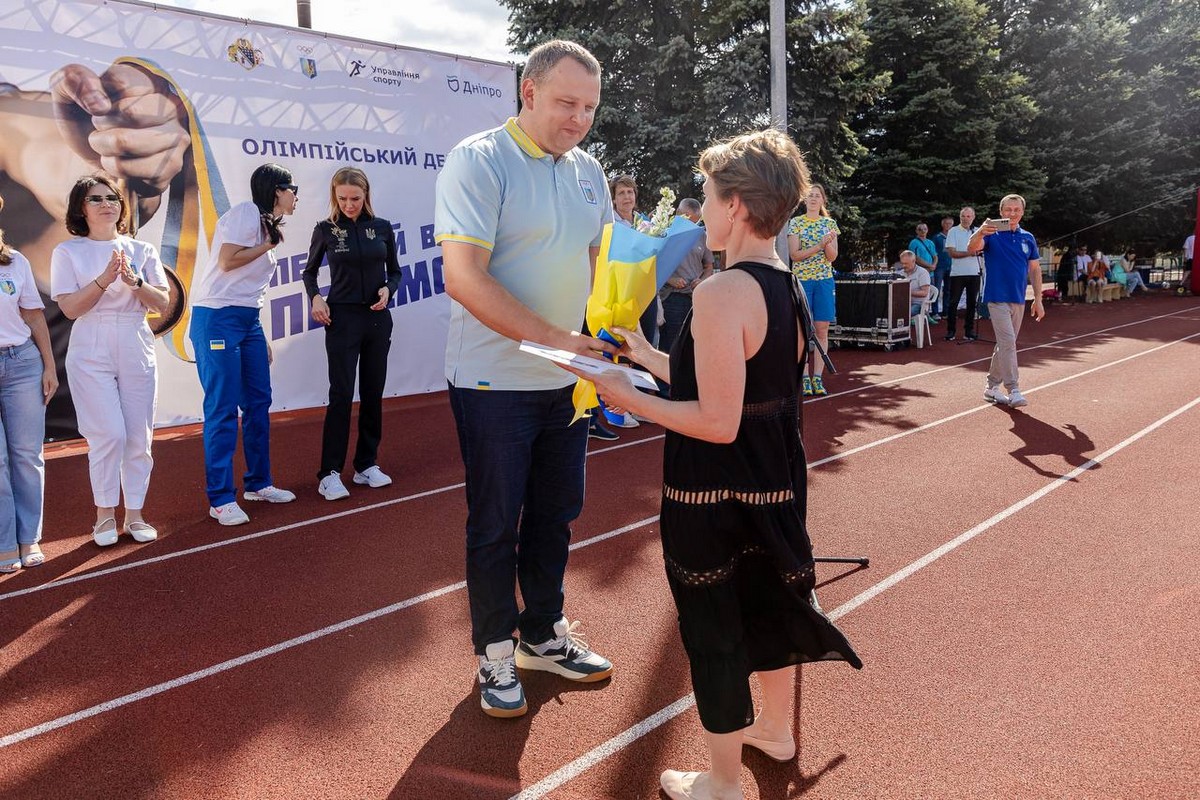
x=631 y=268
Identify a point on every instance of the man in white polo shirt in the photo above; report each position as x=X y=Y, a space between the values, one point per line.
x=519 y=215
x=964 y=276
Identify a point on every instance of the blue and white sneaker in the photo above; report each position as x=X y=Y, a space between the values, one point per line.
x=500 y=692
x=567 y=654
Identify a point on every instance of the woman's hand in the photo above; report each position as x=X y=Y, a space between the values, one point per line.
x=112 y=271
x=612 y=385
x=384 y=294
x=127 y=274
x=49 y=384
x=320 y=310
x=636 y=348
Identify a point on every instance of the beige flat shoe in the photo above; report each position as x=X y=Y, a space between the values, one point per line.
x=33 y=557
x=779 y=751
x=683 y=785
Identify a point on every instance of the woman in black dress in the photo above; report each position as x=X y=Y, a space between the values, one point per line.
x=738 y=557
x=364 y=275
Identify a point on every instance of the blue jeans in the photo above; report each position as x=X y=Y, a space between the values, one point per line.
x=22 y=470
x=231 y=357
x=525 y=478
x=941 y=279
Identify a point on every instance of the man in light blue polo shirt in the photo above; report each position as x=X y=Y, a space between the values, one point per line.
x=519 y=215
x=1012 y=261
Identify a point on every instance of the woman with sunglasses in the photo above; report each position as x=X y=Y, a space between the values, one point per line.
x=232 y=354
x=106 y=282
x=28 y=380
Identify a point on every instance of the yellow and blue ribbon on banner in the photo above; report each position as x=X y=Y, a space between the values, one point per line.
x=186 y=209
x=630 y=269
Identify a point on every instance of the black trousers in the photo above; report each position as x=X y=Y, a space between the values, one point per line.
x=356 y=341
x=958 y=285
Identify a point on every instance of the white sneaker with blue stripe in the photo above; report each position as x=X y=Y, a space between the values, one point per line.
x=567 y=654
x=500 y=692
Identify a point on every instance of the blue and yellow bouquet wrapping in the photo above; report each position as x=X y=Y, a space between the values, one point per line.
x=630 y=269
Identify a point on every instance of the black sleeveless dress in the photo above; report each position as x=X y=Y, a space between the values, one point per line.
x=738 y=557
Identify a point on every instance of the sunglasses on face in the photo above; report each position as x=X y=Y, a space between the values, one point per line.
x=289 y=187
x=98 y=199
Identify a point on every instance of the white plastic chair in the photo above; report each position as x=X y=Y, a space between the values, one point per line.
x=920 y=322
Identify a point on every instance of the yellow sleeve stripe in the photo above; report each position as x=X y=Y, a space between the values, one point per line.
x=454 y=237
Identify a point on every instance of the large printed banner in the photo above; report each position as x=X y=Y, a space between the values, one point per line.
x=183 y=107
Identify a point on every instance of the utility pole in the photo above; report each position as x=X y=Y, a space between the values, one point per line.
x=779 y=95
x=304 y=14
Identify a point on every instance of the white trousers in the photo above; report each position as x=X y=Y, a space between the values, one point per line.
x=113 y=376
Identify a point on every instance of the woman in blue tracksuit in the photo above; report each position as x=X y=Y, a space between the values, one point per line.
x=232 y=355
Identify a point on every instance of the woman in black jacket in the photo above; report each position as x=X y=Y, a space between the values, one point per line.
x=364 y=274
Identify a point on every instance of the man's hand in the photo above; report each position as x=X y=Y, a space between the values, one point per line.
x=579 y=344
x=1037 y=309
x=127 y=122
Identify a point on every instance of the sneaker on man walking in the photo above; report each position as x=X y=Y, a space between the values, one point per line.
x=567 y=654
x=332 y=488
x=500 y=692
x=1016 y=399
x=596 y=430
x=270 y=494
x=372 y=476
x=994 y=394
x=229 y=514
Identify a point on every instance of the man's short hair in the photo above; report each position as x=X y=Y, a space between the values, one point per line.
x=545 y=56
x=765 y=170
x=967 y=208
x=690 y=205
x=1008 y=197
x=904 y=253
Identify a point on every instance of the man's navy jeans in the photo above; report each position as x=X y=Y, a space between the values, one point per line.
x=525 y=479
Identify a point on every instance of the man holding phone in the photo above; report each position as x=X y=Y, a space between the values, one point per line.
x=1012 y=258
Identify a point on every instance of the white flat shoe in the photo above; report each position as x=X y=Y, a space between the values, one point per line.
x=34 y=558
x=104 y=535
x=141 y=531
x=683 y=785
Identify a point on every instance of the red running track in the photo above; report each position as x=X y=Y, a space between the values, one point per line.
x=1025 y=634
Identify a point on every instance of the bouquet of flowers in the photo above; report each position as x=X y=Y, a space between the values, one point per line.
x=631 y=268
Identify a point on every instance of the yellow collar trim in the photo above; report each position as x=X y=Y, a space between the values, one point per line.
x=522 y=139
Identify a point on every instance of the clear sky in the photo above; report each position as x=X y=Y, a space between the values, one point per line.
x=476 y=28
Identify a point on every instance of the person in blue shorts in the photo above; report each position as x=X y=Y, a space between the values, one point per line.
x=812 y=246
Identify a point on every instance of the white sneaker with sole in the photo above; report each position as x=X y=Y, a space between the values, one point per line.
x=627 y=421
x=372 y=476
x=270 y=494
x=229 y=514
x=332 y=488
x=1016 y=399
x=994 y=394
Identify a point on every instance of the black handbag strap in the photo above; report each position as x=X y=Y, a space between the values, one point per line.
x=807 y=328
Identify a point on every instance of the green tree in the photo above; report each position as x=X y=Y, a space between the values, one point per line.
x=946 y=133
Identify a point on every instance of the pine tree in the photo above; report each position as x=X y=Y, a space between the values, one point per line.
x=945 y=132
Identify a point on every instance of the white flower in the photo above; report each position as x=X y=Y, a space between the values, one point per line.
x=663 y=214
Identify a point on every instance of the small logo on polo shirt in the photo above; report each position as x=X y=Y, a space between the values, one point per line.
x=216 y=344
x=8 y=287
x=589 y=193
x=1025 y=247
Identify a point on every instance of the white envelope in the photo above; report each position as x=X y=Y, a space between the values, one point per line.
x=641 y=379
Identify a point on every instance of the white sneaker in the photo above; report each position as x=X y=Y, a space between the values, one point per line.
x=372 y=476
x=271 y=495
x=627 y=421
x=332 y=488
x=1016 y=399
x=994 y=394
x=229 y=514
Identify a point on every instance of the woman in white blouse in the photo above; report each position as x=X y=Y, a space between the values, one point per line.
x=106 y=282
x=27 y=382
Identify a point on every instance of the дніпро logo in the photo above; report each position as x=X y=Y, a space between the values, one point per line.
x=242 y=52
x=452 y=82
x=309 y=67
x=356 y=67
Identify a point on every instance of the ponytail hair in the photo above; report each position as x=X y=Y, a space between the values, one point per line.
x=264 y=183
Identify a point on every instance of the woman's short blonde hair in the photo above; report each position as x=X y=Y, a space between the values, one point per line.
x=765 y=170
x=349 y=176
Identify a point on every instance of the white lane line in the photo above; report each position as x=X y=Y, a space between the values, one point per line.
x=225 y=666
x=303 y=523
x=961 y=414
x=988 y=357
x=630 y=735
